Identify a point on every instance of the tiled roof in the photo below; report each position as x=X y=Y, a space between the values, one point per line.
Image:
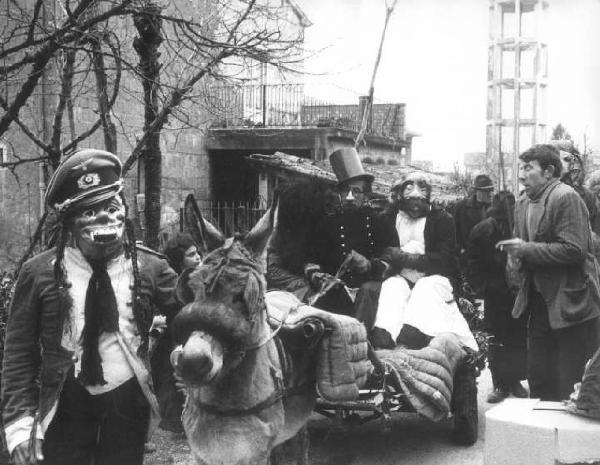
x=385 y=175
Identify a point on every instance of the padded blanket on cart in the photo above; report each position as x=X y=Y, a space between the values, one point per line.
x=342 y=362
x=426 y=375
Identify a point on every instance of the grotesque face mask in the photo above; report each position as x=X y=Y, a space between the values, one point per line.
x=566 y=159
x=414 y=198
x=98 y=229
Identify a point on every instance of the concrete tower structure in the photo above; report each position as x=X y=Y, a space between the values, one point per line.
x=517 y=71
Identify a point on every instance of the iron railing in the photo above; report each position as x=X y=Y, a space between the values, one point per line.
x=286 y=105
x=229 y=216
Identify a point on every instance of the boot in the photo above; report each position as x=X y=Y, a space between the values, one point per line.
x=497 y=395
x=381 y=339
x=517 y=390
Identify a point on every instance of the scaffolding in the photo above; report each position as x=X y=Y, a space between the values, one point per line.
x=517 y=73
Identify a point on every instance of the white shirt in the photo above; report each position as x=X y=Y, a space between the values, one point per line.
x=115 y=362
x=411 y=235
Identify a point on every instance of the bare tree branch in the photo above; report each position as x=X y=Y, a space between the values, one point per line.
x=13 y=164
x=178 y=94
x=64 y=97
x=28 y=132
x=109 y=130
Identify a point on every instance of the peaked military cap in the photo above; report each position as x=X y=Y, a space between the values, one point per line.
x=83 y=179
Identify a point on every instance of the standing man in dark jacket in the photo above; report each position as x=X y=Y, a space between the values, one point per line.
x=470 y=211
x=344 y=243
x=76 y=385
x=508 y=347
x=560 y=289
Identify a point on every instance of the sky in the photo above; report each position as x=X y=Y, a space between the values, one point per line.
x=435 y=60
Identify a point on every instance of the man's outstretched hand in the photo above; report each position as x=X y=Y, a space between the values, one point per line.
x=25 y=454
x=513 y=247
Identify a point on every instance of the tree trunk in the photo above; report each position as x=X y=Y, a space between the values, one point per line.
x=108 y=127
x=146 y=45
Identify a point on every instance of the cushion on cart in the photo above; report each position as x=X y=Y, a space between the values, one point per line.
x=342 y=363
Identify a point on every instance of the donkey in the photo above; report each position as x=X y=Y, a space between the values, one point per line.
x=239 y=402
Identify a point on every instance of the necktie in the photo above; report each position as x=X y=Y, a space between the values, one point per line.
x=101 y=315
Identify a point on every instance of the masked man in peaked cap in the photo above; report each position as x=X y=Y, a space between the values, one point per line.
x=76 y=387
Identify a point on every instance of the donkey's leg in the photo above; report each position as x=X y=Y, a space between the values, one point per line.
x=297 y=447
x=301 y=444
x=277 y=454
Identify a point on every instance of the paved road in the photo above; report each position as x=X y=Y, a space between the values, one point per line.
x=411 y=441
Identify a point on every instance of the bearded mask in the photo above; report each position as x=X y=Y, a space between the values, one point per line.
x=98 y=229
x=413 y=195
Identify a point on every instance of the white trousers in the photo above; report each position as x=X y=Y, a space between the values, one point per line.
x=429 y=307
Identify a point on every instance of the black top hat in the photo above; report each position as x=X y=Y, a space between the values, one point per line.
x=483 y=182
x=83 y=179
x=347 y=166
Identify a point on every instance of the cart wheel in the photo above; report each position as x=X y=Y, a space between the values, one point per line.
x=464 y=405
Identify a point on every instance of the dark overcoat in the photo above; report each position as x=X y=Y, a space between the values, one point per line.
x=558 y=257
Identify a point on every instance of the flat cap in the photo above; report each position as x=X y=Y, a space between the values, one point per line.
x=83 y=179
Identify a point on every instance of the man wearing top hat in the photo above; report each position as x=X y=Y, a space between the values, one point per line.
x=343 y=243
x=75 y=379
x=470 y=211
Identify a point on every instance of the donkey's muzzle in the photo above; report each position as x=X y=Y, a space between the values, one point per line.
x=199 y=360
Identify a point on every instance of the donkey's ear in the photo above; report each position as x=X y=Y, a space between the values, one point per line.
x=207 y=236
x=256 y=240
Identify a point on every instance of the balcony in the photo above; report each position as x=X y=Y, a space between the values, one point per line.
x=287 y=106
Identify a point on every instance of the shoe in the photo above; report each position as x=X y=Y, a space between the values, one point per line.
x=518 y=390
x=381 y=339
x=497 y=395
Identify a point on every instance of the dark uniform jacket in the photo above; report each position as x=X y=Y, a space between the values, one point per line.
x=364 y=231
x=35 y=364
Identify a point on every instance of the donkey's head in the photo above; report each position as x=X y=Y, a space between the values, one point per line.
x=227 y=315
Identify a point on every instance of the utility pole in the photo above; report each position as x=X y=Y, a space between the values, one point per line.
x=389 y=9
